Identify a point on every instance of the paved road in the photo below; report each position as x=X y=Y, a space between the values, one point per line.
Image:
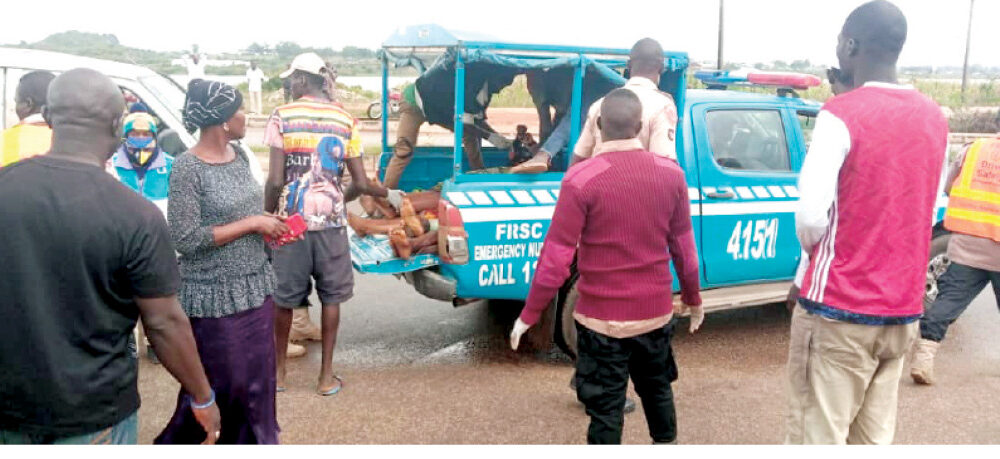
x=421 y=371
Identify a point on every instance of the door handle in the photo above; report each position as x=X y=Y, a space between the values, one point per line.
x=721 y=195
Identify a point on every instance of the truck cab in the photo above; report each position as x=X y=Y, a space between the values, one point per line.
x=741 y=153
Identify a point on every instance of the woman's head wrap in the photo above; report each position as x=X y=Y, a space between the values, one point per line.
x=209 y=103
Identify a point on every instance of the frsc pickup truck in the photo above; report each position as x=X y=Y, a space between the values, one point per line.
x=741 y=152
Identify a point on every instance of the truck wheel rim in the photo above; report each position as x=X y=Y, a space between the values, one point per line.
x=935 y=269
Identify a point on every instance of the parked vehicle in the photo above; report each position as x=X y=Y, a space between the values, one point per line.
x=163 y=96
x=375 y=108
x=741 y=153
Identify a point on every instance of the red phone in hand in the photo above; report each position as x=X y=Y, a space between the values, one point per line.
x=296 y=227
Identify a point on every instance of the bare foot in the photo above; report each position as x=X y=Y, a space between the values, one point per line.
x=329 y=385
x=281 y=380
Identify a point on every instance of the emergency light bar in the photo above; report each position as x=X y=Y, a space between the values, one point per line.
x=722 y=78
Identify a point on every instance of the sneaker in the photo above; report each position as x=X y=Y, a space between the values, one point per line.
x=922 y=368
x=302 y=328
x=295 y=350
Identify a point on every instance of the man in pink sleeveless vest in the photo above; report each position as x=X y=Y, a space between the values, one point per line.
x=868 y=188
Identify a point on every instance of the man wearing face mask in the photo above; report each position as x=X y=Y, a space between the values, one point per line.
x=139 y=163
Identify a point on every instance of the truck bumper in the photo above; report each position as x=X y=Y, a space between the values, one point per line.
x=432 y=284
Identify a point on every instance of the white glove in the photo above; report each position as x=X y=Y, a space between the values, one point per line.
x=395 y=198
x=697 y=316
x=515 y=335
x=499 y=141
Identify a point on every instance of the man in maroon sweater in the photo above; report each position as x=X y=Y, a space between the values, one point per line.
x=628 y=212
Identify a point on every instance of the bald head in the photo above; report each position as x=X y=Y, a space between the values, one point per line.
x=870 y=42
x=646 y=59
x=621 y=115
x=85 y=110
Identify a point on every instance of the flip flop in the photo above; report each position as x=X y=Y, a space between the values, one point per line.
x=335 y=388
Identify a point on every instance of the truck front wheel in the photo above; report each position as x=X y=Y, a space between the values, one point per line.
x=565 y=335
x=937 y=264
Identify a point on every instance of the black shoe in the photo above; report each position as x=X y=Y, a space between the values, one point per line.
x=629 y=406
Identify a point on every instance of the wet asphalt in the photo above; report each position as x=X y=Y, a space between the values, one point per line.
x=420 y=371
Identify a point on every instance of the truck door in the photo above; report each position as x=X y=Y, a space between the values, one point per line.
x=748 y=190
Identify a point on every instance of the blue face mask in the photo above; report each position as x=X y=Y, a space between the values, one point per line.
x=138 y=142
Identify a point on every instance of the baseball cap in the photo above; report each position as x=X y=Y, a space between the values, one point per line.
x=306 y=62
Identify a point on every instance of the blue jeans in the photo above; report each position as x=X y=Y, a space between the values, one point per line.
x=125 y=432
x=957 y=288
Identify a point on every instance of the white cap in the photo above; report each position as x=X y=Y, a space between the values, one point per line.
x=306 y=62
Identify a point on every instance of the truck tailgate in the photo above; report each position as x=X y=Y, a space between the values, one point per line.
x=373 y=254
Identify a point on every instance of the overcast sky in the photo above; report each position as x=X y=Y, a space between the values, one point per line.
x=755 y=30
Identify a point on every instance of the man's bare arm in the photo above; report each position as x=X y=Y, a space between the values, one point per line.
x=275 y=180
x=169 y=332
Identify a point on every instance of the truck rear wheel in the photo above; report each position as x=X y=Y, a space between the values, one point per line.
x=937 y=264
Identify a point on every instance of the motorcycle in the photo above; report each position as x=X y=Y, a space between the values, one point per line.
x=375 y=108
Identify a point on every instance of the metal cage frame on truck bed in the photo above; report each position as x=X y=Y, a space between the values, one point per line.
x=406 y=46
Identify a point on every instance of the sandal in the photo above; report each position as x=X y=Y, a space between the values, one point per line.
x=335 y=389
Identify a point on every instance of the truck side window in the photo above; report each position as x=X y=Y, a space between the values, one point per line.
x=751 y=140
x=807 y=121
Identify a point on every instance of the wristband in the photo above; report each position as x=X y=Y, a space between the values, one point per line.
x=210 y=402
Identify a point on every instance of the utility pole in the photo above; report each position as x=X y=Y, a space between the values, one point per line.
x=968 y=42
x=718 y=61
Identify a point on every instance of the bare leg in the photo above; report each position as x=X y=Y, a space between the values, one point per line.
x=282 y=326
x=331 y=323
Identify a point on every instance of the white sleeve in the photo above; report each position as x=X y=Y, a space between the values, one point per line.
x=831 y=141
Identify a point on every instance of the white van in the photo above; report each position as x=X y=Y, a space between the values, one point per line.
x=163 y=96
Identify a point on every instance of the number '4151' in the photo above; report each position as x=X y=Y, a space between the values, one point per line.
x=753 y=240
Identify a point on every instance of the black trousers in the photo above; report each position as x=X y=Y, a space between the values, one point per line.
x=603 y=367
x=957 y=287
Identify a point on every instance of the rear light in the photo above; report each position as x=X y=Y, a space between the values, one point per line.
x=453 y=241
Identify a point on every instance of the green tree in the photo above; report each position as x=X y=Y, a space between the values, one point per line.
x=287 y=49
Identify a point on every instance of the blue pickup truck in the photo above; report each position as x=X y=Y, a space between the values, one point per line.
x=741 y=152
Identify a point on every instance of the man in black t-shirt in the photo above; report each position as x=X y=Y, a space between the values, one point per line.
x=83 y=257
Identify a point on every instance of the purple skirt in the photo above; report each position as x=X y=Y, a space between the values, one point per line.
x=237 y=352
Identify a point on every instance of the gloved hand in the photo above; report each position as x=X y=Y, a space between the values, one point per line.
x=395 y=198
x=499 y=141
x=515 y=334
x=697 y=316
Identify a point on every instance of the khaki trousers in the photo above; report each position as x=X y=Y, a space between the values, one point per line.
x=407 y=131
x=844 y=380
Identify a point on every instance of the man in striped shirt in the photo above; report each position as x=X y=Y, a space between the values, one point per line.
x=313 y=140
